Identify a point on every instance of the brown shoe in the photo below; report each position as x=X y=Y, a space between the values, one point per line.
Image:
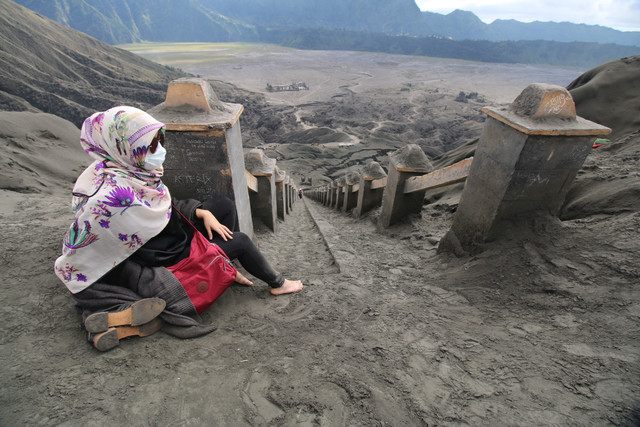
x=111 y=337
x=138 y=313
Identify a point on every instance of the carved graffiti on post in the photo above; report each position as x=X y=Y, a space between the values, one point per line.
x=197 y=165
x=201 y=179
x=555 y=105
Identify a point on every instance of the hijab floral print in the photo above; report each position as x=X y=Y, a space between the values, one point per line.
x=118 y=205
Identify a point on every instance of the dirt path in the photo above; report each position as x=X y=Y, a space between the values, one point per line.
x=399 y=336
x=297 y=249
x=437 y=340
x=542 y=328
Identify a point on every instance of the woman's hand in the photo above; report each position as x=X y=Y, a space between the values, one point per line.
x=212 y=224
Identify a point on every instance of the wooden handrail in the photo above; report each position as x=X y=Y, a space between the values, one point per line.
x=455 y=173
x=379 y=183
x=252 y=182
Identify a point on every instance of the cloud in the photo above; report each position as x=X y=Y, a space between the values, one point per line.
x=622 y=15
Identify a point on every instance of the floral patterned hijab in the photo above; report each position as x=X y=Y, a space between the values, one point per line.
x=118 y=204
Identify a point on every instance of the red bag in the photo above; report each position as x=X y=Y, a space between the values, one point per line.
x=206 y=273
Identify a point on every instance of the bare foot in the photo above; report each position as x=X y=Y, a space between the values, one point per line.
x=288 y=287
x=243 y=280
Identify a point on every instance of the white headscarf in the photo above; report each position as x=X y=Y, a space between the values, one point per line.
x=118 y=204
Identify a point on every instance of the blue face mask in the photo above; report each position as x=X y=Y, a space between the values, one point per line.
x=155 y=160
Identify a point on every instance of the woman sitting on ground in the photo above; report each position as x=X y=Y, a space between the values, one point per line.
x=126 y=233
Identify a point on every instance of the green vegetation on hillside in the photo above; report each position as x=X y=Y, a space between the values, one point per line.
x=575 y=54
x=194 y=53
x=48 y=67
x=390 y=26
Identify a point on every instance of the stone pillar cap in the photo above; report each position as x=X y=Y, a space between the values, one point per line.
x=372 y=171
x=542 y=101
x=258 y=164
x=352 y=178
x=411 y=158
x=191 y=104
x=545 y=109
x=280 y=175
x=192 y=94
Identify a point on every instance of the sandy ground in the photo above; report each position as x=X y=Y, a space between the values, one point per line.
x=329 y=73
x=541 y=328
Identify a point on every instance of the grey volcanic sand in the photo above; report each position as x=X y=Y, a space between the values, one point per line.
x=541 y=328
x=329 y=73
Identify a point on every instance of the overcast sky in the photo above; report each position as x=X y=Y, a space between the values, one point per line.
x=622 y=15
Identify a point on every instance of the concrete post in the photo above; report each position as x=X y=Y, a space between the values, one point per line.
x=263 y=203
x=332 y=193
x=341 y=184
x=282 y=206
x=204 y=146
x=369 y=198
x=292 y=192
x=403 y=164
x=288 y=184
x=527 y=157
x=350 y=198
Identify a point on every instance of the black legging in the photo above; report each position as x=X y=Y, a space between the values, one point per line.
x=240 y=247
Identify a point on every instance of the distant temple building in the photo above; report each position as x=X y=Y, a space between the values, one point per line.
x=291 y=87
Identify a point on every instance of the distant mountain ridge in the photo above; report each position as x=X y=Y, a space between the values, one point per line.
x=388 y=26
x=48 y=67
x=131 y=21
x=374 y=16
x=460 y=25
